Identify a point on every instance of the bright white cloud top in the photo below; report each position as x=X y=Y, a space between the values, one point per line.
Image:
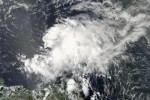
x=84 y=43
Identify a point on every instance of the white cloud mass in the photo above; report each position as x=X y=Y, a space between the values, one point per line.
x=84 y=43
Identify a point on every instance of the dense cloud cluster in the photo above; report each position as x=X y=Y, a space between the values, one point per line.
x=85 y=43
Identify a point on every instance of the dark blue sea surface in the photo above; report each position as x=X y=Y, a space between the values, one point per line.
x=21 y=32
